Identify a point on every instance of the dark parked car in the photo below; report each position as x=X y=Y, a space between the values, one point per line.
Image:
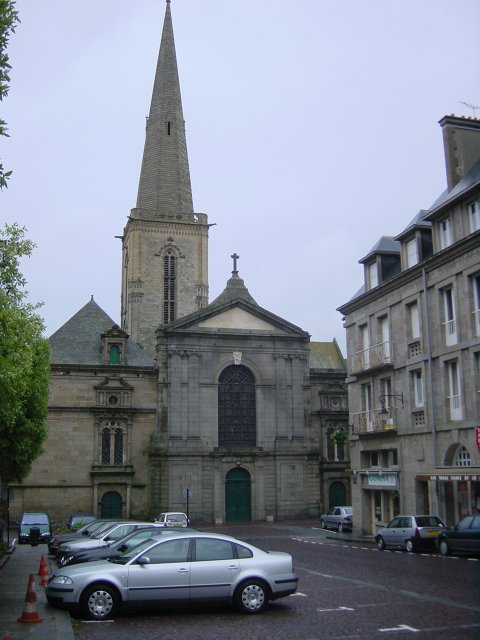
x=339 y=518
x=34 y=520
x=463 y=538
x=86 y=531
x=101 y=538
x=78 y=520
x=181 y=569
x=410 y=532
x=120 y=546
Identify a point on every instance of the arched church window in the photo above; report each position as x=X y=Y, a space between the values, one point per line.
x=236 y=408
x=169 y=275
x=113 y=442
x=114 y=354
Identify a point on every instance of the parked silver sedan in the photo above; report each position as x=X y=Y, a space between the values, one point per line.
x=339 y=518
x=410 y=532
x=176 y=570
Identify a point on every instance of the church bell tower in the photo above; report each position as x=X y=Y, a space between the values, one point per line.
x=164 y=243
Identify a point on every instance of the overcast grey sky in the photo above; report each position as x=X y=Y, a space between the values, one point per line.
x=312 y=129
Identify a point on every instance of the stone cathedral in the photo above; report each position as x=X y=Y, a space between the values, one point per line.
x=220 y=408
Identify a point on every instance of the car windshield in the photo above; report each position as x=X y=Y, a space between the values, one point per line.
x=35 y=518
x=102 y=530
x=130 y=553
x=348 y=511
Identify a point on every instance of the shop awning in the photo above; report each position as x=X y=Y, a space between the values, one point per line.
x=451 y=474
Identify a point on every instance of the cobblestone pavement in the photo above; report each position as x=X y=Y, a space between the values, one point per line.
x=348 y=590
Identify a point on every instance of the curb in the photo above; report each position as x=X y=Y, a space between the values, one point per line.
x=6 y=557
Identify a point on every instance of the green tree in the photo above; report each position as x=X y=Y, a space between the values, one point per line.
x=8 y=20
x=24 y=363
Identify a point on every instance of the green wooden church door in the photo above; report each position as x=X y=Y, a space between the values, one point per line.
x=238 y=506
x=111 y=505
x=336 y=494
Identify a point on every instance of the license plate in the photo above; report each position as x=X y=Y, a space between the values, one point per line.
x=433 y=532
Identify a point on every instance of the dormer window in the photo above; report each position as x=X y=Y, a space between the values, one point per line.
x=474 y=215
x=445 y=229
x=412 y=253
x=372 y=275
x=114 y=354
x=114 y=345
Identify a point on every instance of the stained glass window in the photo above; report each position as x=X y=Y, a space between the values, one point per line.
x=236 y=408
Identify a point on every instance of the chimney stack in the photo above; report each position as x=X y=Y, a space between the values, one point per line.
x=461 y=141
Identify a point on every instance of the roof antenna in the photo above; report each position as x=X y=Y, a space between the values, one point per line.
x=471 y=106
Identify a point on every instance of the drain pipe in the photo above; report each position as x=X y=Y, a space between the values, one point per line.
x=430 y=382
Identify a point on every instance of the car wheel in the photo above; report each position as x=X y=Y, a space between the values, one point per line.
x=380 y=543
x=322 y=524
x=444 y=548
x=99 y=602
x=340 y=527
x=252 y=596
x=409 y=546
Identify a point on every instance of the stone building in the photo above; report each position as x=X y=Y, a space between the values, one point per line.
x=223 y=409
x=413 y=347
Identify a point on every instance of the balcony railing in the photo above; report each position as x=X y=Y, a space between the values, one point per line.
x=378 y=355
x=372 y=422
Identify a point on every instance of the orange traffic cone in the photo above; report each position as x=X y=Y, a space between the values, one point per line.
x=43 y=572
x=30 y=613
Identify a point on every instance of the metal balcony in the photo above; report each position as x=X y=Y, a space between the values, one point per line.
x=378 y=355
x=371 y=422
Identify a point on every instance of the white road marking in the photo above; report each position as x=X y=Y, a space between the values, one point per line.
x=336 y=609
x=401 y=627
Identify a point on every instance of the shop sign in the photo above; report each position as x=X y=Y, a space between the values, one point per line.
x=382 y=479
x=477 y=436
x=454 y=477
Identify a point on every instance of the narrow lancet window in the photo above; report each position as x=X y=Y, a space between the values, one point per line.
x=168 y=289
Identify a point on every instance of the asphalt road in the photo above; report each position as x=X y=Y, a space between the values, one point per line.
x=347 y=590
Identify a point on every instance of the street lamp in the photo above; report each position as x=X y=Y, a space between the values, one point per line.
x=383 y=413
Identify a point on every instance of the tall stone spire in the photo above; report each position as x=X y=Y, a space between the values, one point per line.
x=165 y=176
x=164 y=243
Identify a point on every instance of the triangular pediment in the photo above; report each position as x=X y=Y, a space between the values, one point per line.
x=236 y=318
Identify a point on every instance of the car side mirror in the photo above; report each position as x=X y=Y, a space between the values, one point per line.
x=143 y=560
x=124 y=547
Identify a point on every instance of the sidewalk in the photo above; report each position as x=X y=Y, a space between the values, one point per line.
x=15 y=569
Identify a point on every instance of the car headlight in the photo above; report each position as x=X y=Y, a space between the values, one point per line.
x=62 y=580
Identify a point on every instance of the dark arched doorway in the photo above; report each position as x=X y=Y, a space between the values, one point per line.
x=336 y=495
x=238 y=506
x=111 y=505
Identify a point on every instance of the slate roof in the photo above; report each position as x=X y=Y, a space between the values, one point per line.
x=78 y=341
x=418 y=222
x=469 y=180
x=326 y=355
x=386 y=244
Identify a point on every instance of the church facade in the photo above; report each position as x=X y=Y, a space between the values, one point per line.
x=221 y=409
